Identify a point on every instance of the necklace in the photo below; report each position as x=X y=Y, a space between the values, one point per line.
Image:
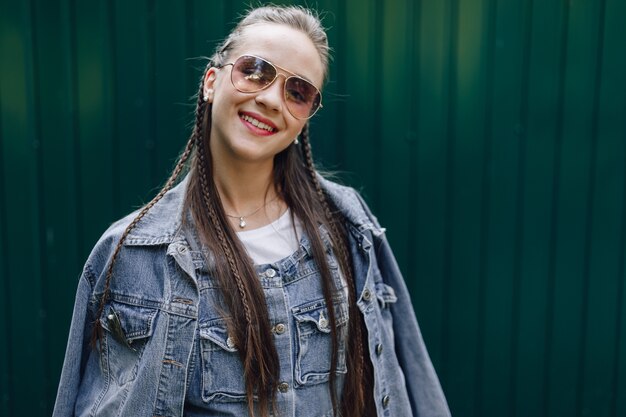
x=242 y=219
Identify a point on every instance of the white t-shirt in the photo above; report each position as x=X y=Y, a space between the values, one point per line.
x=273 y=242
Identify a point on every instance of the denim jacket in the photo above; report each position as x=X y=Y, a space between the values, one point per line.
x=144 y=364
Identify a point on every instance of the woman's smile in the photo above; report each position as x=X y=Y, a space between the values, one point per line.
x=258 y=124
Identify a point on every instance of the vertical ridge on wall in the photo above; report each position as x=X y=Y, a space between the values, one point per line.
x=61 y=262
x=328 y=124
x=5 y=283
x=614 y=129
x=69 y=11
x=412 y=53
x=391 y=126
x=450 y=141
x=380 y=60
x=430 y=187
x=171 y=103
x=98 y=132
x=110 y=85
x=592 y=401
x=618 y=402
x=621 y=290
x=573 y=209
x=521 y=204
x=42 y=255
x=490 y=11
x=562 y=54
x=132 y=104
x=357 y=87
x=40 y=141
x=467 y=156
x=542 y=98
x=153 y=123
x=606 y=249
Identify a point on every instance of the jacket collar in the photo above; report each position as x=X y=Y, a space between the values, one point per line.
x=162 y=223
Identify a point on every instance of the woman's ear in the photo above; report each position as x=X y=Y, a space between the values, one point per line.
x=209 y=81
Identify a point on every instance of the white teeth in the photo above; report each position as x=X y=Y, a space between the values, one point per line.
x=258 y=124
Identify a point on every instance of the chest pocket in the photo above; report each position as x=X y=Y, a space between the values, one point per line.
x=314 y=341
x=127 y=330
x=222 y=370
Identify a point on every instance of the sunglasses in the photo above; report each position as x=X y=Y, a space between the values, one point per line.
x=251 y=74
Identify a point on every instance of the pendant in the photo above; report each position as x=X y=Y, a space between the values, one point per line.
x=242 y=222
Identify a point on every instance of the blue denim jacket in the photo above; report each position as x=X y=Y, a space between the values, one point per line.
x=147 y=361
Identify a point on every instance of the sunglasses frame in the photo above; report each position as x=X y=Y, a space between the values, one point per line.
x=276 y=67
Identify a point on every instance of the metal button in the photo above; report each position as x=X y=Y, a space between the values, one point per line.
x=280 y=328
x=111 y=317
x=230 y=342
x=270 y=273
x=367 y=294
x=283 y=387
x=379 y=349
x=323 y=321
x=386 y=401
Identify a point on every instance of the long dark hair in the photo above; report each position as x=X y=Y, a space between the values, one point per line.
x=297 y=183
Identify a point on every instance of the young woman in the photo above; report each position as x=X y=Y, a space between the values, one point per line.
x=253 y=286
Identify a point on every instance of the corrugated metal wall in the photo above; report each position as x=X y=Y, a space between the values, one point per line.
x=488 y=135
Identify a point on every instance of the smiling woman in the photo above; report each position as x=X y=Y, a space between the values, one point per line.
x=251 y=285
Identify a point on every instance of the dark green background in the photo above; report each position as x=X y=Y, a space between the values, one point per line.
x=489 y=137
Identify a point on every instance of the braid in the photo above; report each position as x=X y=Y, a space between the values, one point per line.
x=210 y=206
x=228 y=252
x=353 y=387
x=209 y=203
x=97 y=332
x=258 y=366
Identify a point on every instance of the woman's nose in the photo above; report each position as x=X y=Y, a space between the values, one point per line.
x=272 y=96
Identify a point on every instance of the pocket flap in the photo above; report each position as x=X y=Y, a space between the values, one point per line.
x=128 y=322
x=385 y=294
x=316 y=314
x=218 y=334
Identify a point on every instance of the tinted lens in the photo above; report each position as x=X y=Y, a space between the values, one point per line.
x=252 y=74
x=303 y=98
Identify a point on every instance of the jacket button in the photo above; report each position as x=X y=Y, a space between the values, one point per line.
x=279 y=328
x=379 y=349
x=283 y=387
x=230 y=342
x=323 y=321
x=386 y=401
x=367 y=294
x=270 y=273
x=182 y=249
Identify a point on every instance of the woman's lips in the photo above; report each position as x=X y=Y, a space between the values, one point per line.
x=258 y=124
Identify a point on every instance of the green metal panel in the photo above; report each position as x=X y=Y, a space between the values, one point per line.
x=22 y=157
x=55 y=131
x=489 y=137
x=600 y=363
x=539 y=152
x=500 y=211
x=572 y=208
x=429 y=171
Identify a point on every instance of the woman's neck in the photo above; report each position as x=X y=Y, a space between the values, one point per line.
x=248 y=191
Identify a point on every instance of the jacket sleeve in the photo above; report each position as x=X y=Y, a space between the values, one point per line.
x=425 y=393
x=77 y=349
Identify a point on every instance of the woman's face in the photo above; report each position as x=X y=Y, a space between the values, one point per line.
x=234 y=136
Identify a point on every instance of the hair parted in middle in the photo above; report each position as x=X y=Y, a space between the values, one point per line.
x=296 y=181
